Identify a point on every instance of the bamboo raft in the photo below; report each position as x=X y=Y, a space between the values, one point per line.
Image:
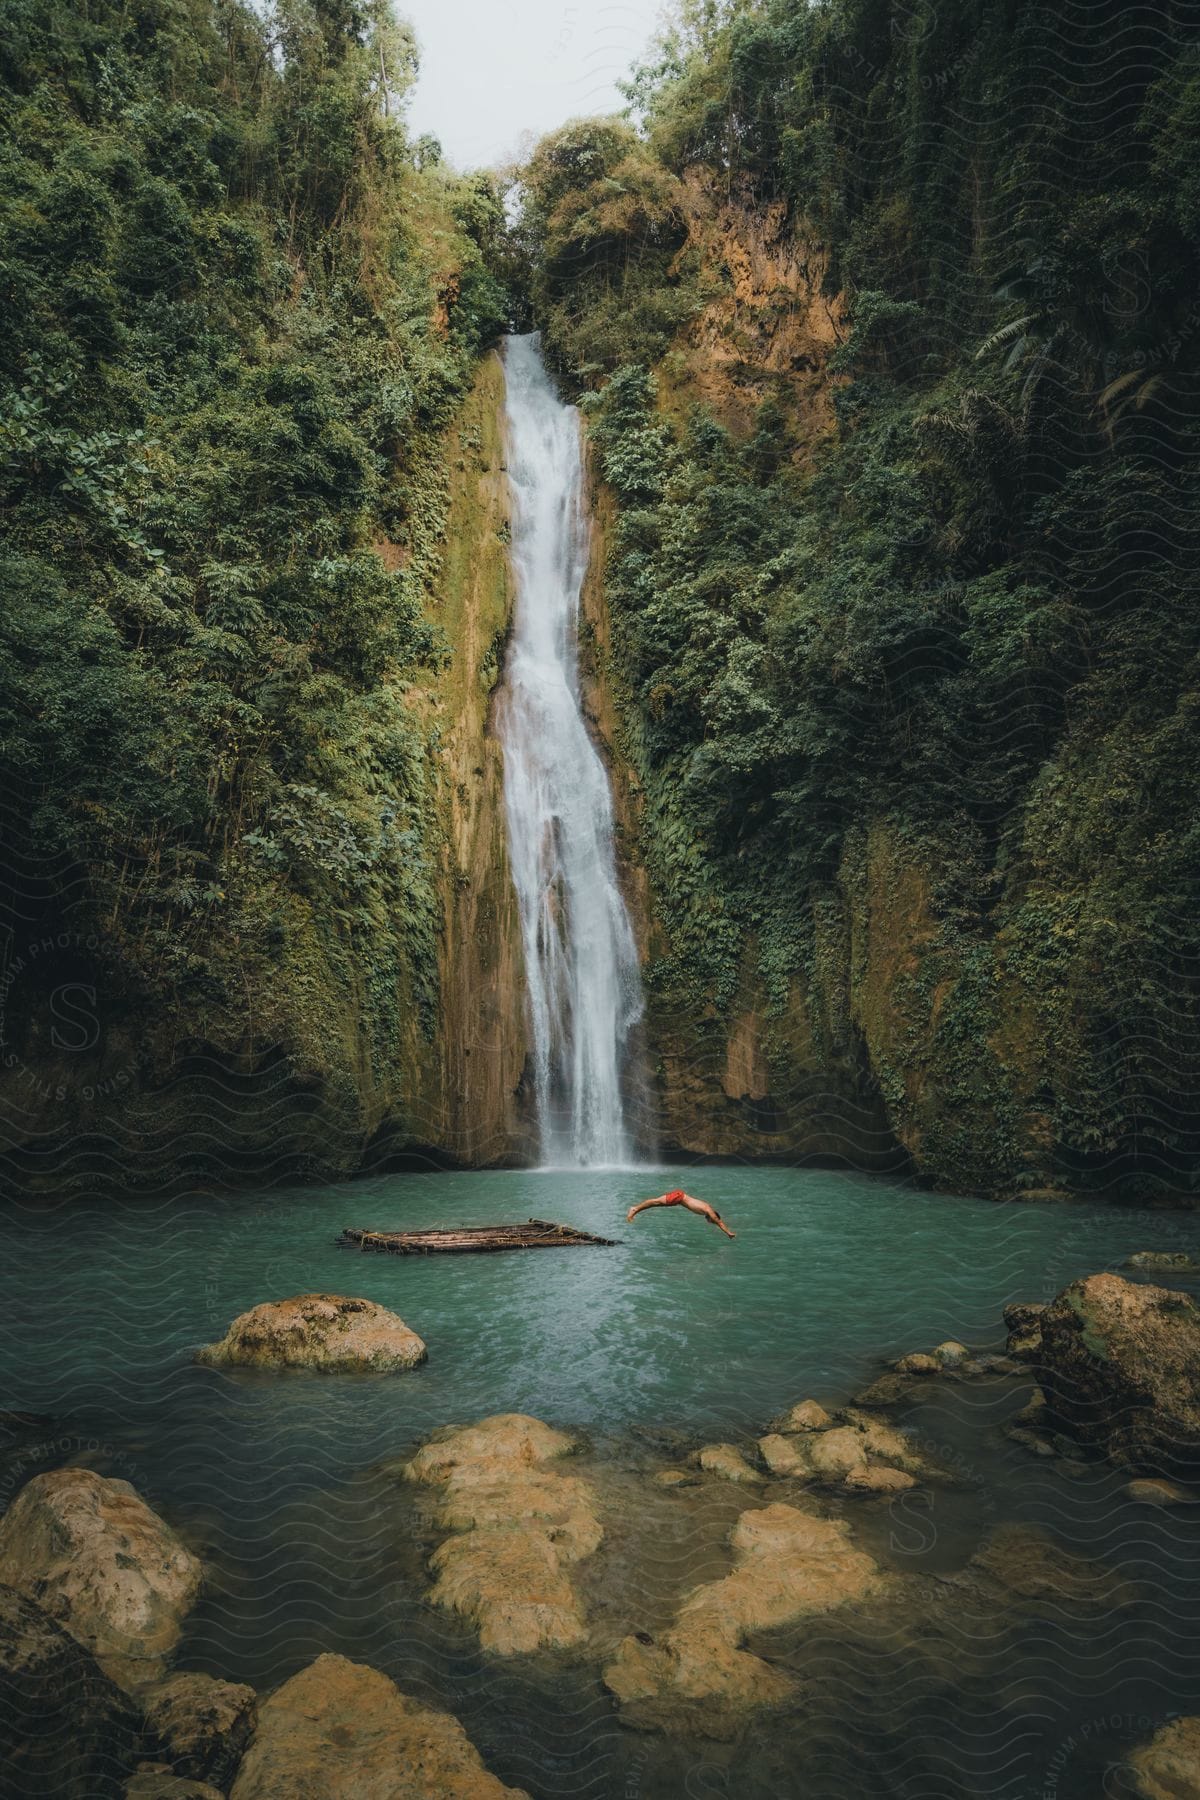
x=536 y=1234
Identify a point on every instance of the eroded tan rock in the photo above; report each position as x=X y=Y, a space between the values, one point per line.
x=99 y=1561
x=727 y=1461
x=885 y=1443
x=1119 y=1363
x=785 y=1456
x=520 y=1522
x=833 y=1455
x=512 y=1584
x=1168 y=1767
x=333 y=1332
x=806 y=1415
x=788 y=1565
x=201 y=1726
x=342 y=1731
x=879 y=1478
x=503 y=1441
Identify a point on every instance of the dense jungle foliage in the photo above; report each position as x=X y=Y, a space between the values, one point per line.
x=961 y=640
x=240 y=308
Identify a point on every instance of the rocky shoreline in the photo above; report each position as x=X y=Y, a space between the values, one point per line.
x=95 y=1586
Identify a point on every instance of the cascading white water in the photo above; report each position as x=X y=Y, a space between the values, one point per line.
x=581 y=961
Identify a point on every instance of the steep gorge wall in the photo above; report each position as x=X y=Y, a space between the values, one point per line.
x=327 y=1057
x=463 y=1085
x=749 y=1080
x=867 y=1058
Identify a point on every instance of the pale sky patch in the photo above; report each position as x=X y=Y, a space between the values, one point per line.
x=496 y=74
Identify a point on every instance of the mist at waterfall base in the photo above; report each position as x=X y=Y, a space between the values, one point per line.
x=581 y=962
x=287 y=1486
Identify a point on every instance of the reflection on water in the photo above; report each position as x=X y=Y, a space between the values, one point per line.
x=674 y=1338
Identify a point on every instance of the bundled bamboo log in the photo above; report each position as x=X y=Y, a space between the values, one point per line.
x=535 y=1234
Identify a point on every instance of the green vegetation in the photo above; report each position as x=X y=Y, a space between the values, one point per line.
x=239 y=312
x=902 y=635
x=917 y=717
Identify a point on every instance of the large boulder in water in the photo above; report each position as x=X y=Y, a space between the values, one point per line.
x=1119 y=1364
x=99 y=1561
x=341 y=1729
x=65 y=1728
x=200 y=1726
x=317 y=1331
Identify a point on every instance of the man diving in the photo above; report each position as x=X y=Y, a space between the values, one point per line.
x=677 y=1197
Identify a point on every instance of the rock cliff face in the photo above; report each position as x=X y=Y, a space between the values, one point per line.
x=910 y=1041
x=768 y=329
x=463 y=1086
x=749 y=1081
x=332 y=1051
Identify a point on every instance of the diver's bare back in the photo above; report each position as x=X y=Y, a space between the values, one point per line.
x=677 y=1197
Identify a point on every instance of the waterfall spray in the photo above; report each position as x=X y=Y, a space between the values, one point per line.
x=584 y=988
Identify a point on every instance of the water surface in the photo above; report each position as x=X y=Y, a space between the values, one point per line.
x=674 y=1337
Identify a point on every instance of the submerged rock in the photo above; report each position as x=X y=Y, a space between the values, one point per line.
x=66 y=1729
x=887 y=1390
x=200 y=1725
x=513 y=1585
x=1168 y=1767
x=1030 y=1440
x=154 y=1781
x=844 y=1452
x=1030 y=1566
x=727 y=1461
x=317 y=1331
x=879 y=1478
x=99 y=1561
x=520 y=1526
x=1177 y=1260
x=1119 y=1364
x=1034 y=1411
x=1153 y=1492
x=788 y=1565
x=340 y=1729
x=950 y=1357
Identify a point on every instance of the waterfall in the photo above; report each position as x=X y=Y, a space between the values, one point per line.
x=584 y=988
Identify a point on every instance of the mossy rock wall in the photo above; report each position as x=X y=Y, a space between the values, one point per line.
x=339 y=1042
